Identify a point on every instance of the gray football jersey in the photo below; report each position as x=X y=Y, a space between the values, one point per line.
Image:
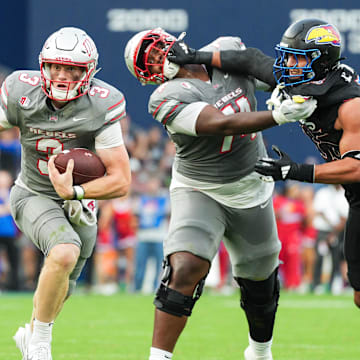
x=215 y=159
x=45 y=131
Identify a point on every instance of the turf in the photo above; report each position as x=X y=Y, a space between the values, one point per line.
x=120 y=327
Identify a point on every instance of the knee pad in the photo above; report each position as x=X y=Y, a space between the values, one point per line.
x=259 y=300
x=260 y=296
x=173 y=302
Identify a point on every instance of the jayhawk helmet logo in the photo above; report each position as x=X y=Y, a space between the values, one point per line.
x=323 y=34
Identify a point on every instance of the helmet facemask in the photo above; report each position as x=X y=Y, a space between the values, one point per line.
x=282 y=71
x=68 y=47
x=68 y=90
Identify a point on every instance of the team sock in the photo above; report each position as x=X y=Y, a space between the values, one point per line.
x=158 y=354
x=41 y=332
x=260 y=348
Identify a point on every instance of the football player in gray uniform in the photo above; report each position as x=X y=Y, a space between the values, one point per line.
x=308 y=62
x=215 y=193
x=62 y=106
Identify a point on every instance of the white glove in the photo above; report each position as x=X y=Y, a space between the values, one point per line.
x=295 y=109
x=276 y=97
x=81 y=212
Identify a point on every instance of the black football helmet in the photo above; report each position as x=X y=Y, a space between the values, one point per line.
x=315 y=39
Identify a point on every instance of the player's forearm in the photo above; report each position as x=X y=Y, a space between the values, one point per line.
x=235 y=124
x=107 y=187
x=250 y=61
x=343 y=171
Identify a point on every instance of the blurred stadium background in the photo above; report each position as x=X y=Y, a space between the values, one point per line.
x=25 y=24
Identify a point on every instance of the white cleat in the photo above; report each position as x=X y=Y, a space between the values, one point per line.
x=249 y=355
x=41 y=351
x=22 y=339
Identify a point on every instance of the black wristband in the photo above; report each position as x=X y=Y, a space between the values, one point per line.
x=203 y=57
x=74 y=194
x=302 y=172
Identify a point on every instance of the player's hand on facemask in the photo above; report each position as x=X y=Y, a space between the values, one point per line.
x=180 y=53
x=293 y=109
x=284 y=168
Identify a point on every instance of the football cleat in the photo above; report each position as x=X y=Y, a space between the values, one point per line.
x=22 y=339
x=249 y=355
x=41 y=351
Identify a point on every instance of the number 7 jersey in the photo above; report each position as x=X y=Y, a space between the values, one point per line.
x=45 y=131
x=214 y=159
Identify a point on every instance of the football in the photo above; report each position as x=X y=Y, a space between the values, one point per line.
x=87 y=165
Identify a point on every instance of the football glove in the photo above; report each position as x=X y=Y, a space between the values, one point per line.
x=181 y=54
x=276 y=97
x=284 y=168
x=286 y=109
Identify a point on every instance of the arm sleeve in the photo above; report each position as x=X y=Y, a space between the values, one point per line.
x=110 y=137
x=250 y=61
x=185 y=121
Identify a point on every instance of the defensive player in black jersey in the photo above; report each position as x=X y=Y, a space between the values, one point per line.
x=308 y=63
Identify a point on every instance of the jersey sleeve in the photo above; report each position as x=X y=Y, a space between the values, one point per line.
x=110 y=137
x=176 y=105
x=117 y=109
x=112 y=107
x=9 y=91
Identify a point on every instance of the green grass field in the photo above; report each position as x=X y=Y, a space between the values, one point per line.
x=120 y=327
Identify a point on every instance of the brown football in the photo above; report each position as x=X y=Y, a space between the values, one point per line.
x=87 y=165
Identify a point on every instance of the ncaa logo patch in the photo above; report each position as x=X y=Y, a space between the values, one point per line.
x=24 y=101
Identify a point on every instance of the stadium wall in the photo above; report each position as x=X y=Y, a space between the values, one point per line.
x=260 y=23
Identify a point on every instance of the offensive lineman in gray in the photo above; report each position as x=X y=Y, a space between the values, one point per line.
x=215 y=193
x=60 y=107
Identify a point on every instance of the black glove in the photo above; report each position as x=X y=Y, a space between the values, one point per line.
x=284 y=168
x=180 y=53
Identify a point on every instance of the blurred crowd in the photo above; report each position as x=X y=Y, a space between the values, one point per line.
x=128 y=255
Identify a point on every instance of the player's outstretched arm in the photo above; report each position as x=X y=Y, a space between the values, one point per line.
x=212 y=121
x=344 y=171
x=250 y=61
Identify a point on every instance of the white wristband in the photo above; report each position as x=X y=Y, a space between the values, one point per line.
x=79 y=192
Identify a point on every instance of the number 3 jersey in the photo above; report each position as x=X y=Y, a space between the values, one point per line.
x=45 y=131
x=213 y=159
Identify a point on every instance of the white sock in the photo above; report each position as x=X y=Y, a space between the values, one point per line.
x=158 y=354
x=41 y=332
x=260 y=348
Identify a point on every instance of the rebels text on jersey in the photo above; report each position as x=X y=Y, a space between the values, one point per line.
x=45 y=131
x=212 y=159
